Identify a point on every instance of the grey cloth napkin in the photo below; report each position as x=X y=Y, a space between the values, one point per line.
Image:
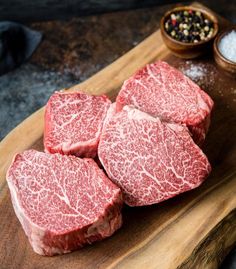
x=17 y=43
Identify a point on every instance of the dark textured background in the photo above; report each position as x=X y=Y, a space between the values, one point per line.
x=75 y=47
x=39 y=10
x=57 y=9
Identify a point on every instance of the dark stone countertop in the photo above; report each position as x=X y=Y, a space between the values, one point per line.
x=73 y=50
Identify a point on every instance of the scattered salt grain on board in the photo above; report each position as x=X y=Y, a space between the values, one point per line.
x=227 y=46
x=195 y=71
x=202 y=74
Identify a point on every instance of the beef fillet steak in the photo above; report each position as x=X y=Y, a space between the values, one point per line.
x=162 y=91
x=148 y=159
x=63 y=202
x=73 y=123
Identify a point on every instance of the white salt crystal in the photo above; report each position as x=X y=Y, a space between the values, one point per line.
x=201 y=73
x=227 y=46
x=194 y=72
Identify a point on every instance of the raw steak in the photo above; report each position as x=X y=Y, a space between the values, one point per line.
x=148 y=159
x=63 y=202
x=110 y=113
x=163 y=91
x=73 y=123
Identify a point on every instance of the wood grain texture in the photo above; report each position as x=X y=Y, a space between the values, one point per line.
x=193 y=230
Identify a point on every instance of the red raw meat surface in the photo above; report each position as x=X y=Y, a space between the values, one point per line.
x=148 y=159
x=73 y=123
x=63 y=202
x=162 y=91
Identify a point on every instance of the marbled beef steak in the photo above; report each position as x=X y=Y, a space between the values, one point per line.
x=73 y=123
x=163 y=91
x=148 y=159
x=63 y=202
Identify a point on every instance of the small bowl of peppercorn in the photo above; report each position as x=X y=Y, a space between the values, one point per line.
x=189 y=31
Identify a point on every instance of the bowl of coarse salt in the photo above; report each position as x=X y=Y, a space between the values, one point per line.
x=225 y=50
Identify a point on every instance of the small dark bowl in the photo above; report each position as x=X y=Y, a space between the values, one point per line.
x=188 y=50
x=221 y=61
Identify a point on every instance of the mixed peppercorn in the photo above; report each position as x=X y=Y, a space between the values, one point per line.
x=189 y=26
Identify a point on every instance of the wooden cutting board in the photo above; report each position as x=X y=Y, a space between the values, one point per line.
x=193 y=230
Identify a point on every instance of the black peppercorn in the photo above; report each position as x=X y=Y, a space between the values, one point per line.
x=189 y=26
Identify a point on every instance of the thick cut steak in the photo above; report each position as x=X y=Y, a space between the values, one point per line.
x=162 y=91
x=63 y=202
x=110 y=113
x=148 y=159
x=73 y=123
